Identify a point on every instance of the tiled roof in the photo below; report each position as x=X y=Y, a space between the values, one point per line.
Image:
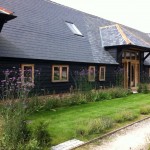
x=40 y=32
x=114 y=35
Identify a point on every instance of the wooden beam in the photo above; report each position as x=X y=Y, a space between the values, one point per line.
x=120 y=54
x=147 y=55
x=123 y=35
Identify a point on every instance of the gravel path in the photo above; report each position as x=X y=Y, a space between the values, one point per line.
x=136 y=137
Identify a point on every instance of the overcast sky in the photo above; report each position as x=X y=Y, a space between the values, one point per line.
x=133 y=13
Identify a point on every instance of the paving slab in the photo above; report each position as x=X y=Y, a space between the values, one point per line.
x=68 y=145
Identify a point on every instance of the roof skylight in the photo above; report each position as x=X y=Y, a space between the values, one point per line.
x=73 y=28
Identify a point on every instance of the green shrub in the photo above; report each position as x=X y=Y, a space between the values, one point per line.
x=32 y=145
x=125 y=116
x=140 y=89
x=100 y=125
x=41 y=135
x=77 y=98
x=103 y=95
x=91 y=96
x=34 y=104
x=145 y=88
x=47 y=103
x=82 y=130
x=118 y=92
x=94 y=126
x=16 y=133
x=145 y=110
x=51 y=103
x=15 y=130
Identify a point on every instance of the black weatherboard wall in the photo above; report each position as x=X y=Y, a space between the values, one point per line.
x=43 y=82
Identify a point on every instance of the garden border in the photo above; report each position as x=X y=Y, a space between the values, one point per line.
x=109 y=133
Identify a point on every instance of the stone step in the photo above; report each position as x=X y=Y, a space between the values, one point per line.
x=67 y=145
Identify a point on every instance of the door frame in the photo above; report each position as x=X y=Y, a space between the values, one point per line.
x=131 y=76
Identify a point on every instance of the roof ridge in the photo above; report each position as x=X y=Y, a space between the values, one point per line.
x=123 y=34
x=107 y=26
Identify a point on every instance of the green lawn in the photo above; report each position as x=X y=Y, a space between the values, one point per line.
x=64 y=121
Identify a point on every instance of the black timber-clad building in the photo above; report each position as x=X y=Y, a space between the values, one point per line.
x=58 y=40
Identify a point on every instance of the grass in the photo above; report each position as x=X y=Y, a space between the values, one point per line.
x=124 y=116
x=64 y=122
x=1 y=122
x=145 y=110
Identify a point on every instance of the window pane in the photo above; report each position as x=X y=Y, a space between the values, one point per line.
x=28 y=73
x=92 y=74
x=133 y=56
x=56 y=73
x=64 y=73
x=73 y=28
x=123 y=55
x=127 y=55
x=137 y=56
x=102 y=73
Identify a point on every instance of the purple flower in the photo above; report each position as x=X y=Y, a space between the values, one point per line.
x=3 y=81
x=13 y=78
x=83 y=72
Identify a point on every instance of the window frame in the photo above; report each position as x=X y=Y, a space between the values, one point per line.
x=100 y=70
x=149 y=72
x=89 y=68
x=22 y=70
x=60 y=73
x=74 y=28
x=132 y=54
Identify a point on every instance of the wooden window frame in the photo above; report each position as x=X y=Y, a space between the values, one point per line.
x=130 y=53
x=22 y=69
x=60 y=73
x=89 y=79
x=100 y=68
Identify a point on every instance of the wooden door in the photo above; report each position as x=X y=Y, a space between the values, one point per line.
x=131 y=73
x=131 y=65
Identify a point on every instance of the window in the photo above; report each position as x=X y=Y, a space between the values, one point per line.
x=131 y=55
x=102 y=71
x=91 y=73
x=60 y=73
x=27 y=73
x=73 y=28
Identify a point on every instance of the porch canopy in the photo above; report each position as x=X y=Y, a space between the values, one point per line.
x=121 y=36
x=6 y=14
x=124 y=37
